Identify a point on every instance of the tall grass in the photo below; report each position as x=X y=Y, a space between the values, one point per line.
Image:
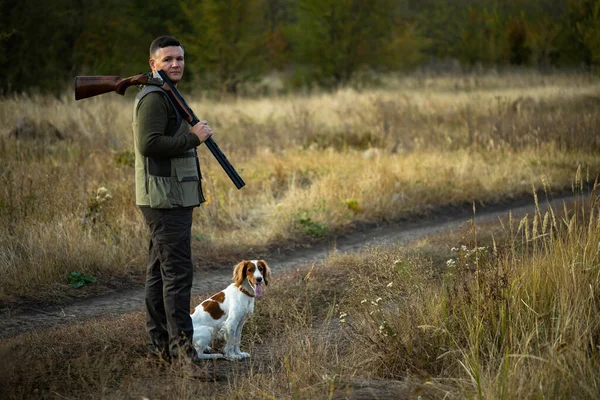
x=513 y=314
x=314 y=165
x=513 y=318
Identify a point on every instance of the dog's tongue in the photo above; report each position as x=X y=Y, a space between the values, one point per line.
x=258 y=290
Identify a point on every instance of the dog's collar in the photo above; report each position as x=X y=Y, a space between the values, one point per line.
x=247 y=293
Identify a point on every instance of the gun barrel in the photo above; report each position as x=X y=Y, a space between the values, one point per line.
x=90 y=86
x=225 y=164
x=187 y=114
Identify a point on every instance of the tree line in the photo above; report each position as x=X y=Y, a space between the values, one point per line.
x=45 y=44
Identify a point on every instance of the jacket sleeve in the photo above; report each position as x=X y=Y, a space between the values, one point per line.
x=153 y=117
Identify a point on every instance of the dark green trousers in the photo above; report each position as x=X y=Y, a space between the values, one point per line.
x=169 y=278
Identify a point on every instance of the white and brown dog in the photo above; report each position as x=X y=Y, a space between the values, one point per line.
x=224 y=314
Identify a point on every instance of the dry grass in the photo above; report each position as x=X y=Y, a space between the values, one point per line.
x=314 y=165
x=514 y=317
x=513 y=314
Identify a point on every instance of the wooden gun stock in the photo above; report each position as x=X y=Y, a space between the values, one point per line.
x=90 y=86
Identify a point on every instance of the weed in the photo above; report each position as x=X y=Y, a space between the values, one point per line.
x=313 y=228
x=94 y=212
x=125 y=157
x=353 y=205
x=78 y=279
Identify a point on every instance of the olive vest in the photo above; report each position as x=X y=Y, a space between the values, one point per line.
x=166 y=182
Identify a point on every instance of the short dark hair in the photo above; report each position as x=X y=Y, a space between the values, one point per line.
x=163 y=41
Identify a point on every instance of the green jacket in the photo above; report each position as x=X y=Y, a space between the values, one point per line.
x=167 y=170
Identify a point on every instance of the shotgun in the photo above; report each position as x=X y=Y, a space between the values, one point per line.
x=89 y=86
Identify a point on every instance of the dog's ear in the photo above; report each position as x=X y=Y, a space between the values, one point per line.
x=239 y=273
x=266 y=271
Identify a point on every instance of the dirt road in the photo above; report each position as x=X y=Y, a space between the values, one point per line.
x=209 y=281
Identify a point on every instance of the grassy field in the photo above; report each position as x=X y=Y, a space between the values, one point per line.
x=315 y=164
x=503 y=311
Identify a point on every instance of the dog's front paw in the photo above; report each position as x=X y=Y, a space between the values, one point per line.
x=232 y=356
x=237 y=356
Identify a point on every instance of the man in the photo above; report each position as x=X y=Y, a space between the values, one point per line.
x=168 y=187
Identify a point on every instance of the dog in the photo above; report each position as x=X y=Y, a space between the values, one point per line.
x=224 y=314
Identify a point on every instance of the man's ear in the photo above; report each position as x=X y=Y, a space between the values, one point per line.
x=151 y=62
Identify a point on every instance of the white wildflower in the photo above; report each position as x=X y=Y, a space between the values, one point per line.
x=343 y=316
x=382 y=329
x=102 y=195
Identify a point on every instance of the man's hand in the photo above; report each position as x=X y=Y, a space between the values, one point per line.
x=202 y=130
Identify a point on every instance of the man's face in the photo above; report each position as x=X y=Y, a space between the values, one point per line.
x=169 y=59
